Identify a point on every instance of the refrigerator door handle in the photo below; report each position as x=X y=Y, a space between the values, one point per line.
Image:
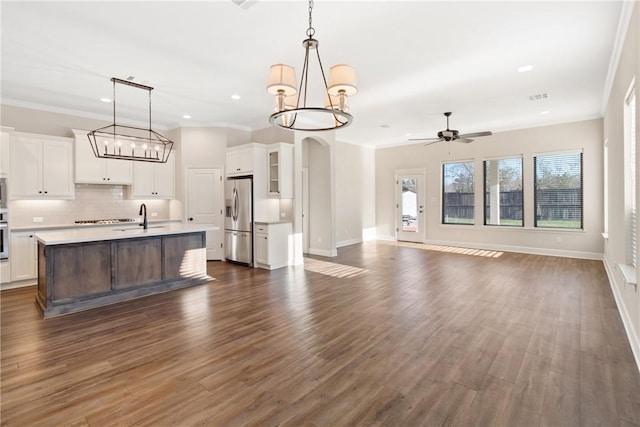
x=234 y=213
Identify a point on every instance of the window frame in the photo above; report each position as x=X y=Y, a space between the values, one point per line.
x=484 y=189
x=631 y=175
x=442 y=192
x=535 y=188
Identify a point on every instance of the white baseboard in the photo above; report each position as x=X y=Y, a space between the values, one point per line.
x=386 y=238
x=323 y=252
x=348 y=242
x=632 y=335
x=519 y=249
x=18 y=284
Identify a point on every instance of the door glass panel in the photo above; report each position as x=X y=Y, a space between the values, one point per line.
x=409 y=205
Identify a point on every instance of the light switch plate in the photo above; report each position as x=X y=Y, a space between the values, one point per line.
x=154 y=213
x=38 y=219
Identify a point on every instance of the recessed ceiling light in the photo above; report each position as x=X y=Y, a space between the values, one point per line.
x=105 y=99
x=186 y=116
x=235 y=96
x=544 y=112
x=525 y=68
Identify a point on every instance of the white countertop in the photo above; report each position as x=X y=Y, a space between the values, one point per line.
x=115 y=232
x=47 y=227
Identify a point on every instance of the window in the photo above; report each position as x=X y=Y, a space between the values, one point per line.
x=457 y=193
x=631 y=206
x=558 y=190
x=503 y=192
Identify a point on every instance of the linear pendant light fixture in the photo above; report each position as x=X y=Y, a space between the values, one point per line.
x=292 y=112
x=128 y=142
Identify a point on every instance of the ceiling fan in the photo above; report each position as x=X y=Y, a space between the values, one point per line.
x=452 y=135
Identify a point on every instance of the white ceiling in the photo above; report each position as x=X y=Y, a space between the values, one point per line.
x=413 y=59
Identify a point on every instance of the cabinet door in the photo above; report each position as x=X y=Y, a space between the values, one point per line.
x=143 y=186
x=4 y=153
x=239 y=162
x=273 y=175
x=118 y=171
x=164 y=178
x=23 y=256
x=57 y=169
x=26 y=167
x=262 y=248
x=89 y=169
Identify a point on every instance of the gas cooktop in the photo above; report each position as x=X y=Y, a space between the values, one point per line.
x=105 y=221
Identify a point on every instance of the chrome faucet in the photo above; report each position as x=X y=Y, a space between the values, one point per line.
x=143 y=209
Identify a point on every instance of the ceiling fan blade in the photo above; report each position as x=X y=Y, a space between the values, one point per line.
x=434 y=141
x=424 y=139
x=464 y=140
x=475 y=134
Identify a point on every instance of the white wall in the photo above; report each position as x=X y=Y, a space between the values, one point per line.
x=585 y=135
x=355 y=193
x=46 y=122
x=627 y=296
x=317 y=157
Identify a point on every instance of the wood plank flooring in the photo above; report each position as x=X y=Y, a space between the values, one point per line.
x=383 y=334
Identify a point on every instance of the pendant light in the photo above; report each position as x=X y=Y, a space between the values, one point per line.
x=292 y=112
x=128 y=142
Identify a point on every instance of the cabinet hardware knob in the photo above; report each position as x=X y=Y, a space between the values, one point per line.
x=39 y=192
x=190 y=219
x=46 y=192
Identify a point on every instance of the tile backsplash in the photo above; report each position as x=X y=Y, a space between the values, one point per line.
x=91 y=202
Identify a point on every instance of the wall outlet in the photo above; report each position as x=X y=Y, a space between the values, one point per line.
x=38 y=219
x=283 y=214
x=154 y=213
x=558 y=239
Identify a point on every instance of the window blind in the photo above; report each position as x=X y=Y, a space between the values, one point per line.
x=558 y=190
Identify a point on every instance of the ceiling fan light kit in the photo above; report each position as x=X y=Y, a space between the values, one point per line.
x=129 y=142
x=452 y=134
x=291 y=110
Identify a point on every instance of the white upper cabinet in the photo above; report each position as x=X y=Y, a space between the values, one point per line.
x=41 y=167
x=154 y=180
x=240 y=162
x=94 y=170
x=280 y=170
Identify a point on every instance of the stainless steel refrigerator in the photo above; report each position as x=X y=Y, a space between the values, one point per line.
x=238 y=221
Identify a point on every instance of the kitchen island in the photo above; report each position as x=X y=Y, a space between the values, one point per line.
x=83 y=269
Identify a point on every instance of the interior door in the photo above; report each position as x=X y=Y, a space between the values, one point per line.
x=204 y=206
x=410 y=207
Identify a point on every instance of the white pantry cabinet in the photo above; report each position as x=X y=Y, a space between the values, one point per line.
x=280 y=170
x=41 y=167
x=90 y=169
x=154 y=180
x=23 y=255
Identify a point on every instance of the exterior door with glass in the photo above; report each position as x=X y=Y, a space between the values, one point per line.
x=410 y=218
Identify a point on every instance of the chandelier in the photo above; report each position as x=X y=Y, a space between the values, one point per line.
x=292 y=112
x=128 y=142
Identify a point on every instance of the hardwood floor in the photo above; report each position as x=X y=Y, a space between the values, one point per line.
x=384 y=334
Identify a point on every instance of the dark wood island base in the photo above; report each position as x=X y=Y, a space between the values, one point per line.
x=79 y=275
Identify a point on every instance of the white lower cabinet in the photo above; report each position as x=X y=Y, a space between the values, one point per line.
x=23 y=256
x=272 y=244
